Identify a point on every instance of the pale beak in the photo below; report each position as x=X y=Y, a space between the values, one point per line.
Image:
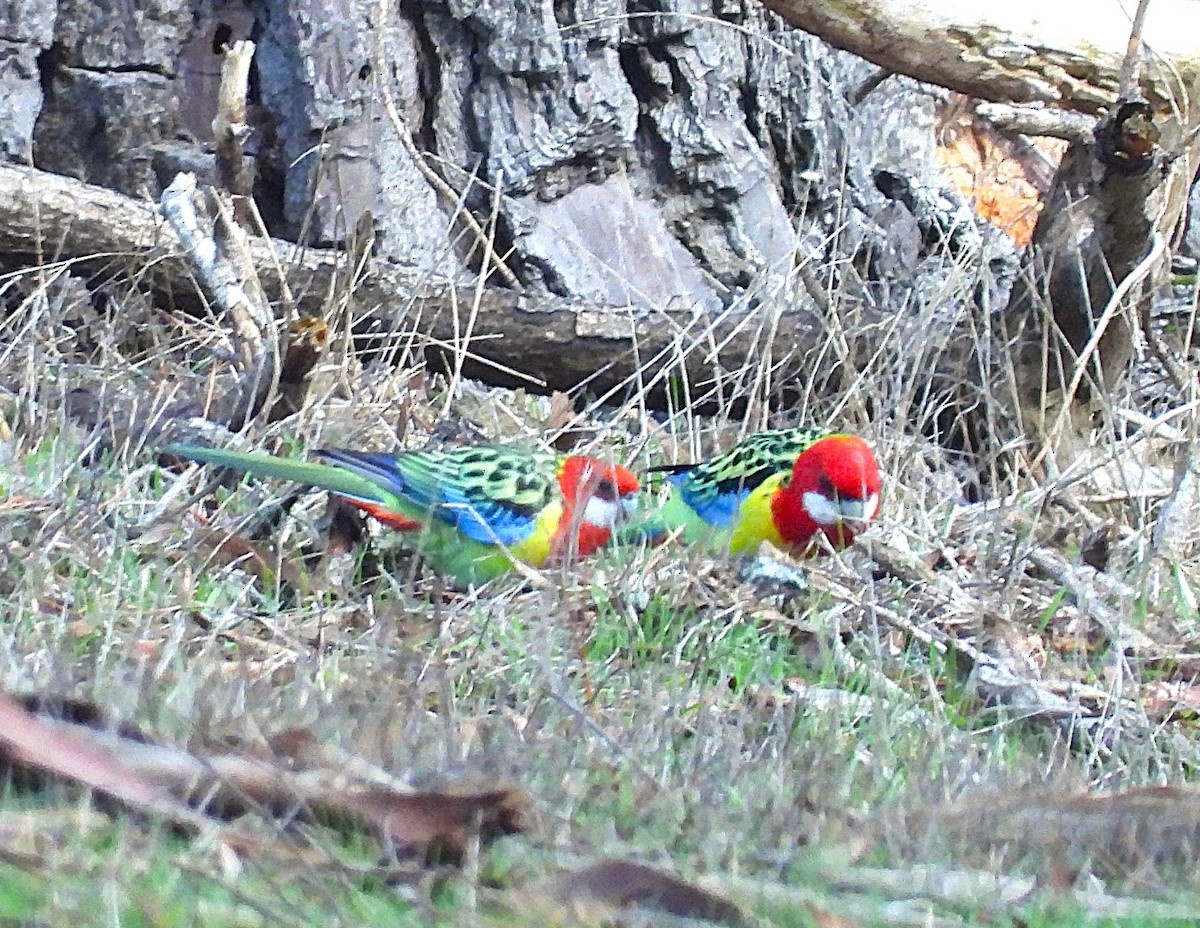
x=826 y=511
x=629 y=505
x=858 y=510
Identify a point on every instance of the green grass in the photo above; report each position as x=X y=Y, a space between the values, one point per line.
x=654 y=705
x=168 y=883
x=666 y=722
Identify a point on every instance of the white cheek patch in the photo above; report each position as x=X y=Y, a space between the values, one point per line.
x=821 y=509
x=603 y=513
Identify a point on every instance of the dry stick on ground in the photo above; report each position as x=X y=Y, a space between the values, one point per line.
x=1090 y=589
x=70 y=752
x=1139 y=834
x=938 y=596
x=160 y=779
x=959 y=889
x=968 y=889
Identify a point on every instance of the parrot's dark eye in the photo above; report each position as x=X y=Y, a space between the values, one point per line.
x=606 y=490
x=826 y=487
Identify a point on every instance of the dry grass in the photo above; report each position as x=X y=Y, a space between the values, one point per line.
x=654 y=704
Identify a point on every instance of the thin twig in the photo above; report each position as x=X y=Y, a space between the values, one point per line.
x=1032 y=120
x=1131 y=65
x=1134 y=277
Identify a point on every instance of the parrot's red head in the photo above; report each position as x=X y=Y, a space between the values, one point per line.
x=596 y=496
x=835 y=488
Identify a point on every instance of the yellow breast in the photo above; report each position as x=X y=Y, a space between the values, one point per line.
x=754 y=523
x=536 y=548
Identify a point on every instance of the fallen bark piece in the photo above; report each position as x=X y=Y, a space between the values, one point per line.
x=600 y=891
x=74 y=752
x=194 y=790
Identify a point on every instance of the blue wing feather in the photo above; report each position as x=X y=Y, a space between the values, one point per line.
x=716 y=507
x=483 y=520
x=381 y=469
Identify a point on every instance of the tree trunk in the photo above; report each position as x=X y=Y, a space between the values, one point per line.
x=545 y=343
x=653 y=180
x=688 y=195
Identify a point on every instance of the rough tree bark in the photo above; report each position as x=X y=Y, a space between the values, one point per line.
x=646 y=171
x=550 y=343
x=644 y=168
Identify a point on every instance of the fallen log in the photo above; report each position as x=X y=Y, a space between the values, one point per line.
x=504 y=336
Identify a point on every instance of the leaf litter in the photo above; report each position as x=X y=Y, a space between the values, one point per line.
x=1035 y=609
x=289 y=779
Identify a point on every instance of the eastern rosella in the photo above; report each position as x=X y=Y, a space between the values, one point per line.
x=785 y=486
x=472 y=510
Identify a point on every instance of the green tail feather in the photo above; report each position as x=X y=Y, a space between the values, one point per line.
x=322 y=476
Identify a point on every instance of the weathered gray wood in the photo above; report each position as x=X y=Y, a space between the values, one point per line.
x=1067 y=54
x=632 y=189
x=646 y=174
x=26 y=30
x=678 y=158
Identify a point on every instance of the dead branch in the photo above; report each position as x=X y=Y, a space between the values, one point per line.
x=1037 y=120
x=992 y=675
x=74 y=743
x=1015 y=52
x=228 y=275
x=230 y=128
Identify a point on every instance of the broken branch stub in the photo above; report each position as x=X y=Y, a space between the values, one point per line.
x=230 y=129
x=227 y=274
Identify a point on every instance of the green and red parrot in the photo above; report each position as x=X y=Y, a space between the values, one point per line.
x=786 y=486
x=471 y=511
